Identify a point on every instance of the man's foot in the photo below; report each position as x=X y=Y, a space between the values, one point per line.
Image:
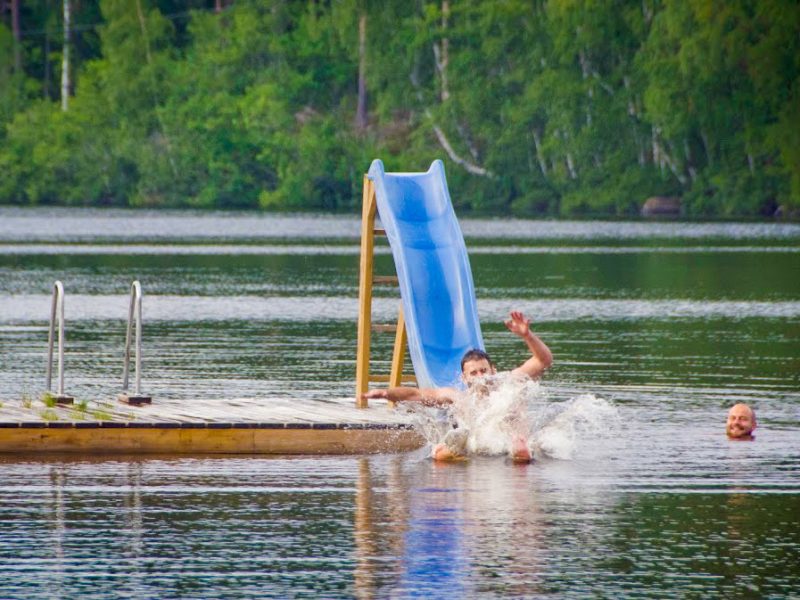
x=442 y=453
x=454 y=446
x=456 y=440
x=520 y=453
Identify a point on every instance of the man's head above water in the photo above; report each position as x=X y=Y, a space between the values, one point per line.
x=741 y=422
x=476 y=364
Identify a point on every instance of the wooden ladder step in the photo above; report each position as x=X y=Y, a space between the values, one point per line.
x=380 y=232
x=385 y=280
x=384 y=327
x=385 y=378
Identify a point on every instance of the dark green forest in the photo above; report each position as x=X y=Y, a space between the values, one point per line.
x=561 y=107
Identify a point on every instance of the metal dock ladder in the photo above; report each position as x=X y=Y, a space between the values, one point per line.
x=57 y=313
x=134 y=315
x=367 y=281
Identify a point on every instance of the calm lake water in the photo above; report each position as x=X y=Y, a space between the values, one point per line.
x=667 y=323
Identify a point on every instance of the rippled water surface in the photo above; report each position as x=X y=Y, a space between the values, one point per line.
x=668 y=323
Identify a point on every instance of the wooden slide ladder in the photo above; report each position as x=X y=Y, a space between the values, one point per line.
x=367 y=280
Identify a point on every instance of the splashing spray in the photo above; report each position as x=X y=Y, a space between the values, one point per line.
x=501 y=411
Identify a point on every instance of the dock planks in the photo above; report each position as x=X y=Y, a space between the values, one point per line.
x=235 y=426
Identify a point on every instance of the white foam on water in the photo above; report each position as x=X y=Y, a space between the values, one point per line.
x=502 y=408
x=559 y=430
x=495 y=411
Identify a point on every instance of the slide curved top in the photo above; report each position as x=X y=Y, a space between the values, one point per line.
x=433 y=271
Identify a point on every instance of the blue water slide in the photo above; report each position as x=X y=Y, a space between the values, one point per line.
x=433 y=270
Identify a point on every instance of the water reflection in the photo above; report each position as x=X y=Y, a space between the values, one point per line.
x=435 y=558
x=386 y=526
x=365 y=542
x=58 y=478
x=449 y=530
x=134 y=523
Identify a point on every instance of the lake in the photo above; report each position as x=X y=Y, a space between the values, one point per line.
x=656 y=328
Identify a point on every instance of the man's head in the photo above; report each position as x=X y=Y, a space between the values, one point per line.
x=476 y=364
x=741 y=422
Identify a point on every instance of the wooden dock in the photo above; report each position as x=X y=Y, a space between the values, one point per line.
x=240 y=426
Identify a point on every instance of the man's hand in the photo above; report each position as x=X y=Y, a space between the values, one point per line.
x=376 y=394
x=541 y=357
x=518 y=324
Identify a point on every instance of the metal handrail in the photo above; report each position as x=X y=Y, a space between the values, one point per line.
x=56 y=310
x=135 y=311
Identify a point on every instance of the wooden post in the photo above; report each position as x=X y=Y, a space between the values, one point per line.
x=368 y=212
x=400 y=340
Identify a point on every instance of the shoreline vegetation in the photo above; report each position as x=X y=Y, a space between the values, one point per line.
x=539 y=109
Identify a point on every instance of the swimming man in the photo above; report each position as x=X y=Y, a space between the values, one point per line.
x=741 y=422
x=476 y=365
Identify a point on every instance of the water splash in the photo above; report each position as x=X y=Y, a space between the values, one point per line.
x=560 y=429
x=501 y=408
x=495 y=411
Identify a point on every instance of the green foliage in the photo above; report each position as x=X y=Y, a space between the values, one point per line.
x=538 y=108
x=102 y=414
x=49 y=414
x=49 y=399
x=80 y=409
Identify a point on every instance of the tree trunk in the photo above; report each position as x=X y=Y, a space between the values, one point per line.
x=154 y=89
x=17 y=35
x=47 y=74
x=469 y=166
x=441 y=54
x=647 y=12
x=65 y=59
x=220 y=5
x=445 y=143
x=662 y=155
x=537 y=141
x=585 y=71
x=571 y=169
x=687 y=152
x=640 y=151
x=707 y=148
x=656 y=158
x=573 y=174
x=361 y=108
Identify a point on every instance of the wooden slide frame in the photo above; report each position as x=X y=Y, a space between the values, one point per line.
x=367 y=281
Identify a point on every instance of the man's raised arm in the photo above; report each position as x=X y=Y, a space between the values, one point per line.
x=541 y=358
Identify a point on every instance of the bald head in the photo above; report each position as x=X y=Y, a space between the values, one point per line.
x=741 y=422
